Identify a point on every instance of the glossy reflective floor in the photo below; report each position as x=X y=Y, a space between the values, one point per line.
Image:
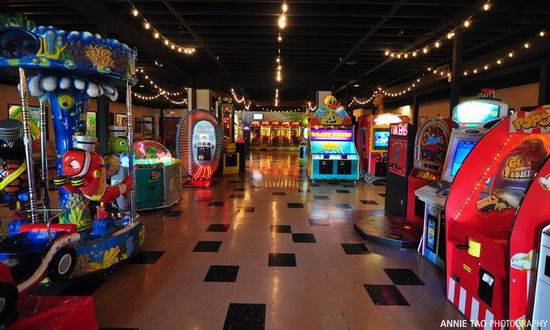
x=270 y=249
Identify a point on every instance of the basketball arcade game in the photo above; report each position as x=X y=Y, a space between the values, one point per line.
x=495 y=218
x=332 y=154
x=471 y=120
x=431 y=143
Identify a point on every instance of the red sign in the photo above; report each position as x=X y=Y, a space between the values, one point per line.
x=397 y=156
x=401 y=129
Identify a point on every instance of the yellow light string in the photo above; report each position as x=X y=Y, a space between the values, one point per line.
x=281 y=23
x=147 y=26
x=407 y=89
x=241 y=100
x=426 y=49
x=157 y=87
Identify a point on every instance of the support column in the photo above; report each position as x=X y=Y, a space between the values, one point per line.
x=161 y=125
x=456 y=74
x=416 y=110
x=544 y=84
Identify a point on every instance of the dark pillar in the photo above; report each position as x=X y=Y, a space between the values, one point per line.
x=456 y=74
x=544 y=84
x=161 y=125
x=194 y=93
x=416 y=110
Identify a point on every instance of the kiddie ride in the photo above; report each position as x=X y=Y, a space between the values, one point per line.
x=472 y=119
x=199 y=146
x=89 y=234
x=496 y=211
x=332 y=153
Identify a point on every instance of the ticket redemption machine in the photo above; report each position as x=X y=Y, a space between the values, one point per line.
x=199 y=146
x=471 y=120
x=496 y=210
x=332 y=153
x=431 y=143
x=372 y=143
x=400 y=157
x=542 y=284
x=157 y=176
x=231 y=159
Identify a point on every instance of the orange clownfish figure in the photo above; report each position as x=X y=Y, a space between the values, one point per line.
x=85 y=171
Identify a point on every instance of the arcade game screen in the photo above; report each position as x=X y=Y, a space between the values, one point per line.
x=150 y=153
x=204 y=141
x=433 y=146
x=381 y=139
x=476 y=112
x=463 y=148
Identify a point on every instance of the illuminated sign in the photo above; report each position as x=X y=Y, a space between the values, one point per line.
x=258 y=116
x=531 y=122
x=401 y=129
x=475 y=112
x=317 y=134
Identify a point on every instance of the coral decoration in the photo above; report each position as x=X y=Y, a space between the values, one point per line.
x=101 y=57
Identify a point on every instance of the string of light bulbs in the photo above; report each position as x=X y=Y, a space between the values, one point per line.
x=187 y=50
x=242 y=100
x=157 y=87
x=276 y=97
x=438 y=42
x=407 y=89
x=311 y=108
x=158 y=95
x=281 y=23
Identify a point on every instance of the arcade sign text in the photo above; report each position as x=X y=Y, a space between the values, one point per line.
x=331 y=135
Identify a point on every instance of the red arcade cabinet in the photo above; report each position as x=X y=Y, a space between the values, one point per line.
x=400 y=156
x=372 y=146
x=496 y=209
x=432 y=141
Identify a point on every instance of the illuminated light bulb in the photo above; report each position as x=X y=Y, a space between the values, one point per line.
x=135 y=12
x=467 y=23
x=435 y=71
x=282 y=22
x=487 y=6
x=414 y=54
x=413 y=85
x=279 y=68
x=542 y=33
x=406 y=55
x=398 y=55
x=418 y=80
x=392 y=55
x=429 y=69
x=172 y=46
x=425 y=50
x=147 y=26
x=450 y=35
x=284 y=7
x=166 y=42
x=526 y=45
x=387 y=52
x=442 y=73
x=448 y=74
x=278 y=60
x=156 y=35
x=475 y=71
x=499 y=61
x=179 y=49
x=511 y=54
x=465 y=73
x=486 y=67
x=146 y=77
x=437 y=44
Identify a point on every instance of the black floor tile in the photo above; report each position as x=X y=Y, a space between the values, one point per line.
x=303 y=238
x=82 y=287
x=203 y=199
x=382 y=194
x=281 y=229
x=282 y=260
x=207 y=246
x=172 y=214
x=344 y=206
x=245 y=316
x=295 y=205
x=342 y=191
x=304 y=190
x=349 y=185
x=369 y=202
x=236 y=196
x=386 y=295
x=218 y=273
x=147 y=257
x=218 y=227
x=278 y=193
x=319 y=222
x=247 y=209
x=239 y=189
x=320 y=197
x=403 y=276
x=216 y=204
x=355 y=248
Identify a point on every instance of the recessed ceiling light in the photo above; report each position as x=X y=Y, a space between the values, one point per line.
x=356 y=85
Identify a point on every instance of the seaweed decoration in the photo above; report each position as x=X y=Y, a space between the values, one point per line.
x=101 y=57
x=18 y=20
x=78 y=214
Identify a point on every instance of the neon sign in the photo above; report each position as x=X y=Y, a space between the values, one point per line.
x=527 y=121
x=401 y=129
x=331 y=135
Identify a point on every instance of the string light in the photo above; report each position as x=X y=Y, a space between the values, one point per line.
x=157 y=35
x=282 y=23
x=407 y=89
x=439 y=41
x=156 y=86
x=241 y=100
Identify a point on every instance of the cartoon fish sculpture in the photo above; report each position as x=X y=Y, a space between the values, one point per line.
x=522 y=261
x=86 y=172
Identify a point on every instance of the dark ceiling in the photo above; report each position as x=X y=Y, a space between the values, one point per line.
x=327 y=44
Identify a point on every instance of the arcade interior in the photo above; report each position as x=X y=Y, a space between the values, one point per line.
x=170 y=164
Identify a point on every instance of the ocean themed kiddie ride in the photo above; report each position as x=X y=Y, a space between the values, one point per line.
x=89 y=233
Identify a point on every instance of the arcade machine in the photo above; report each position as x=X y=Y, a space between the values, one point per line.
x=400 y=158
x=372 y=143
x=157 y=176
x=304 y=133
x=231 y=159
x=431 y=145
x=255 y=135
x=542 y=283
x=226 y=115
x=285 y=135
x=295 y=135
x=332 y=153
x=472 y=120
x=198 y=147
x=275 y=136
x=265 y=135
x=495 y=213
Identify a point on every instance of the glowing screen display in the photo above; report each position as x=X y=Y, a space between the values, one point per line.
x=475 y=112
x=463 y=148
x=381 y=138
